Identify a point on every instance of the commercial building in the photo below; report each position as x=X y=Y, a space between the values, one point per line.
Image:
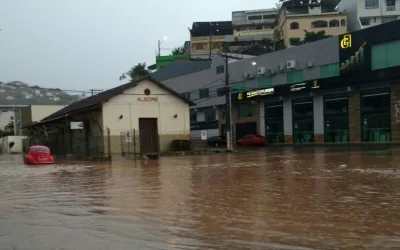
x=343 y=89
x=314 y=93
x=202 y=87
x=295 y=17
x=143 y=116
x=208 y=38
x=366 y=13
x=253 y=25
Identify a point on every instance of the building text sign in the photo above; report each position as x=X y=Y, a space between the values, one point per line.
x=147 y=99
x=260 y=92
x=345 y=43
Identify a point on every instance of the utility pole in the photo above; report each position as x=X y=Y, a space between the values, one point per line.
x=210 y=41
x=159 y=48
x=228 y=103
x=228 y=108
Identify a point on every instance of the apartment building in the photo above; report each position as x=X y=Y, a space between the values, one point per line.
x=367 y=13
x=253 y=25
x=208 y=38
x=295 y=17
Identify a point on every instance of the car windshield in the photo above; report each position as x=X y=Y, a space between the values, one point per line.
x=248 y=137
x=41 y=150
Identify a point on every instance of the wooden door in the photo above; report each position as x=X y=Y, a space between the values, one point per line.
x=148 y=134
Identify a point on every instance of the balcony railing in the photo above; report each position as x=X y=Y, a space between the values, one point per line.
x=252 y=22
x=390 y=7
x=266 y=32
x=204 y=51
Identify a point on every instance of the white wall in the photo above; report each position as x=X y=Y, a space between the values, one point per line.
x=16 y=149
x=41 y=111
x=381 y=11
x=196 y=134
x=131 y=109
x=5 y=118
x=351 y=7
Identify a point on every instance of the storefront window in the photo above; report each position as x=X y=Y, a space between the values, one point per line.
x=303 y=121
x=193 y=116
x=336 y=118
x=274 y=122
x=375 y=116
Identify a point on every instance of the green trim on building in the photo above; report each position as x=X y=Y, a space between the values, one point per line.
x=239 y=86
x=162 y=61
x=329 y=70
x=385 y=55
x=264 y=82
x=294 y=76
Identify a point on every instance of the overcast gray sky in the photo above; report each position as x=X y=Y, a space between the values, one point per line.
x=82 y=44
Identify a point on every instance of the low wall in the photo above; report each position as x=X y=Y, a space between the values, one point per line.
x=119 y=144
x=16 y=149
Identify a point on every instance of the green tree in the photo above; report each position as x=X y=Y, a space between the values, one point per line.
x=8 y=129
x=314 y=36
x=136 y=72
x=257 y=48
x=178 y=51
x=32 y=132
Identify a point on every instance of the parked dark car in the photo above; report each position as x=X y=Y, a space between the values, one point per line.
x=216 y=141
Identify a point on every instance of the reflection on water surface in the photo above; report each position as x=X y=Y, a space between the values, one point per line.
x=263 y=199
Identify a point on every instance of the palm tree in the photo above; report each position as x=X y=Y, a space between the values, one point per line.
x=178 y=51
x=136 y=72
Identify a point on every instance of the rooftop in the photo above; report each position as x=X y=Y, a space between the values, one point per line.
x=95 y=100
x=203 y=28
x=256 y=11
x=180 y=68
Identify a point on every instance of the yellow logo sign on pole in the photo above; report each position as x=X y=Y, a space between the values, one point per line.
x=315 y=84
x=345 y=43
x=240 y=96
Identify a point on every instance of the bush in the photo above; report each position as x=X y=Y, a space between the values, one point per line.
x=180 y=145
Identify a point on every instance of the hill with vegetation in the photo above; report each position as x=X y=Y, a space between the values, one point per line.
x=20 y=93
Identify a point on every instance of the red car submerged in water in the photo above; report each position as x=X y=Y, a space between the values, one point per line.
x=252 y=140
x=39 y=155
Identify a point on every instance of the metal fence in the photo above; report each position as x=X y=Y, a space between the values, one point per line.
x=61 y=144
x=134 y=142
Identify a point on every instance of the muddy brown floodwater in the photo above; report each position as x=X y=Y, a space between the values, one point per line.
x=261 y=199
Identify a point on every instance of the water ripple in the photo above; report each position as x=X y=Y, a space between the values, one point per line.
x=277 y=199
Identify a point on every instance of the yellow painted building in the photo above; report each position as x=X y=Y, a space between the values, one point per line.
x=292 y=23
x=200 y=43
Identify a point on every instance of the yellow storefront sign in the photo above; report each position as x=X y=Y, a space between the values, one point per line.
x=345 y=43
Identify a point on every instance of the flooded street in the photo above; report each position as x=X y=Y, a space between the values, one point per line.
x=280 y=199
